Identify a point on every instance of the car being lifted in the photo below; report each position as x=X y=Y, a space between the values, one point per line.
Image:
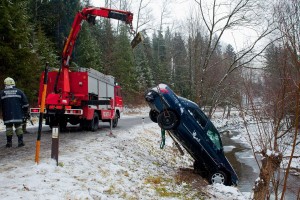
x=193 y=129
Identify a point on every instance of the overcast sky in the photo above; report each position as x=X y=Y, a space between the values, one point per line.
x=179 y=12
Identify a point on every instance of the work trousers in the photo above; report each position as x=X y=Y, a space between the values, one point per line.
x=9 y=129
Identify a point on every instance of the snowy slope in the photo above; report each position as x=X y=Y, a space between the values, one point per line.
x=128 y=166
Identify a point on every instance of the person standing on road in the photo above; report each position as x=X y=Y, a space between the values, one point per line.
x=14 y=106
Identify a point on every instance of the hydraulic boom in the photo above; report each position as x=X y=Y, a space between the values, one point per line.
x=88 y=14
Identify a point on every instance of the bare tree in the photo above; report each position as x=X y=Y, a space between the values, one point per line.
x=143 y=15
x=288 y=17
x=276 y=141
x=220 y=17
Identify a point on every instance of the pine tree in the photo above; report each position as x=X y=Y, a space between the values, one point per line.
x=123 y=68
x=17 y=58
x=180 y=68
x=87 y=52
x=107 y=40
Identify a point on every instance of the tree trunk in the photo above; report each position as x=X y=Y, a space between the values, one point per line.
x=270 y=163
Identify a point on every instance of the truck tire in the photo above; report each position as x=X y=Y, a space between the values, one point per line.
x=115 y=121
x=62 y=125
x=83 y=124
x=94 y=123
x=60 y=121
x=52 y=122
x=168 y=120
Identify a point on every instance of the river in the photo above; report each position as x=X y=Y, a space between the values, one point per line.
x=241 y=157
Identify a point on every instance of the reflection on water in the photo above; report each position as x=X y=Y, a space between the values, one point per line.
x=243 y=162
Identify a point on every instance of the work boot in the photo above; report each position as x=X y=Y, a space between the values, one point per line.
x=20 y=141
x=9 y=141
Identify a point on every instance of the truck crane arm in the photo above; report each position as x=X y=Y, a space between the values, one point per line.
x=89 y=14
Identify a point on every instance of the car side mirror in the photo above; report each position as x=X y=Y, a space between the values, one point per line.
x=136 y=40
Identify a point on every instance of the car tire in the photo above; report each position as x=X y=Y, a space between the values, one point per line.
x=168 y=120
x=153 y=114
x=218 y=177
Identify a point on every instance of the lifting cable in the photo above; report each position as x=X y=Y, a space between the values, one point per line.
x=163 y=138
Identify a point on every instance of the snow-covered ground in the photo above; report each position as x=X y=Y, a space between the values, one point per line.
x=128 y=166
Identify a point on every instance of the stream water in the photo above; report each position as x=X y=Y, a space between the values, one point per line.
x=241 y=157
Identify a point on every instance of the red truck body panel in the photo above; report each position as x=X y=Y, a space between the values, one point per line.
x=90 y=92
x=83 y=96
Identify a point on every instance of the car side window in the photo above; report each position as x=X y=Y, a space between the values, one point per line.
x=201 y=120
x=214 y=137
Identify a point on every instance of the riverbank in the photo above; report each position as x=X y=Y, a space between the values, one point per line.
x=236 y=123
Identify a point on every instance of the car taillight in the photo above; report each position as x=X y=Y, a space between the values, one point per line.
x=164 y=90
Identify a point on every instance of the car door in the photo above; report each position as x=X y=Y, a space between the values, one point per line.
x=210 y=140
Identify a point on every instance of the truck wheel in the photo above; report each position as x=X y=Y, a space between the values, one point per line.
x=85 y=125
x=115 y=121
x=153 y=115
x=52 y=122
x=167 y=120
x=63 y=125
x=94 y=123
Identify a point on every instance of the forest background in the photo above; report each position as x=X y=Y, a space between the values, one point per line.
x=188 y=55
x=260 y=77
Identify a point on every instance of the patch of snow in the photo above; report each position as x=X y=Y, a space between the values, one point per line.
x=228 y=148
x=222 y=192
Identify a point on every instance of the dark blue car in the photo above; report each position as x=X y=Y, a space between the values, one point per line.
x=196 y=133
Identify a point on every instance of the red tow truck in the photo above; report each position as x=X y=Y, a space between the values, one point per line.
x=84 y=96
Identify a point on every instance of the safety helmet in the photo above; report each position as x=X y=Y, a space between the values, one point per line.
x=9 y=81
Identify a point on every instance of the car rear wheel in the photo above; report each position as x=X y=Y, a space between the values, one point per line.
x=219 y=177
x=153 y=114
x=168 y=120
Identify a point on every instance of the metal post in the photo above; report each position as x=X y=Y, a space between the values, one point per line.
x=110 y=133
x=112 y=116
x=55 y=144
